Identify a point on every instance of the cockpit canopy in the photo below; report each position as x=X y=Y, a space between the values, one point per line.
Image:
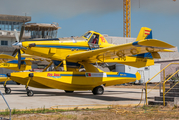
x=92 y=37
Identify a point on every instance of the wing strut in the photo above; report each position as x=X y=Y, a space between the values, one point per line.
x=58 y=66
x=64 y=65
x=47 y=66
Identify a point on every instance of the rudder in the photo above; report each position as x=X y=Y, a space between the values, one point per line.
x=145 y=33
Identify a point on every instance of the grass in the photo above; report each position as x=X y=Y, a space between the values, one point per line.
x=31 y=111
x=115 y=112
x=40 y=110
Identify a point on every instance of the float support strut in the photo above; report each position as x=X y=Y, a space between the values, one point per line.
x=64 y=65
x=47 y=66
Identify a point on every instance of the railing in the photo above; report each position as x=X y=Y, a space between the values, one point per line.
x=164 y=93
x=163 y=70
x=7 y=105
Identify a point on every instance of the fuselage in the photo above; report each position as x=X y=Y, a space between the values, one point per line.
x=73 y=80
x=59 y=48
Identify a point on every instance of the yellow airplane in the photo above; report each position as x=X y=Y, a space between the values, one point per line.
x=77 y=52
x=16 y=62
x=11 y=62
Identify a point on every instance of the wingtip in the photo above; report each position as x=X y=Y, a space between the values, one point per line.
x=138 y=76
x=168 y=50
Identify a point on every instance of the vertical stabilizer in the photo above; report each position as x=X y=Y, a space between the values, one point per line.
x=145 y=33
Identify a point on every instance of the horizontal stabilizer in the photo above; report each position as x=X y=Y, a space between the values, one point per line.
x=133 y=61
x=152 y=43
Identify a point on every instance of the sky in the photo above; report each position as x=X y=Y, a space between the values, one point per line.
x=75 y=17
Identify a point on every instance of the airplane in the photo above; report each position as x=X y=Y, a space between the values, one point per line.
x=83 y=52
x=11 y=62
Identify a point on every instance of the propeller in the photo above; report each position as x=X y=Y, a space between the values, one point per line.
x=15 y=33
x=18 y=40
x=15 y=51
x=22 y=32
x=19 y=58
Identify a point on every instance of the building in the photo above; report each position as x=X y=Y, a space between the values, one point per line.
x=41 y=30
x=7 y=25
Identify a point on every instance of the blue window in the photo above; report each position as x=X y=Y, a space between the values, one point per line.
x=3 y=42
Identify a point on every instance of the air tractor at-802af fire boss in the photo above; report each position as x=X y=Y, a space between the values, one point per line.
x=83 y=52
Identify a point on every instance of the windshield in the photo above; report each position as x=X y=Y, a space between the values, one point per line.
x=87 y=35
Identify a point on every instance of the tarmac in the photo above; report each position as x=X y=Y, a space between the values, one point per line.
x=54 y=98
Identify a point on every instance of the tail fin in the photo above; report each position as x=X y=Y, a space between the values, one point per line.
x=145 y=33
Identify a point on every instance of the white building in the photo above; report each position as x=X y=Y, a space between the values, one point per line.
x=7 y=25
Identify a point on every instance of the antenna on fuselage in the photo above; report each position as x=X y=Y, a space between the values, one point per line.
x=74 y=41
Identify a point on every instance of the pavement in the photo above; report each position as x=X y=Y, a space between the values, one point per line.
x=47 y=98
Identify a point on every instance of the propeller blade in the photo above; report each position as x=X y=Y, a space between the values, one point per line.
x=15 y=51
x=19 y=59
x=22 y=32
x=16 y=35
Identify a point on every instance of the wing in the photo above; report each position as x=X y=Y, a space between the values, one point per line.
x=11 y=62
x=5 y=58
x=35 y=58
x=120 y=51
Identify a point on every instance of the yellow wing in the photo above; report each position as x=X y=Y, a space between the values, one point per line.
x=11 y=62
x=5 y=58
x=35 y=58
x=120 y=51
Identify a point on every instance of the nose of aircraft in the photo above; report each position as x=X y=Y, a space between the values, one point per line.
x=17 y=45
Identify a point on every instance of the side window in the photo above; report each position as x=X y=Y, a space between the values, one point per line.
x=91 y=39
x=94 y=39
x=93 y=42
x=87 y=35
x=4 y=42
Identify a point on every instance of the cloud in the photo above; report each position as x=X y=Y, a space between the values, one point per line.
x=62 y=8
x=168 y=7
x=70 y=8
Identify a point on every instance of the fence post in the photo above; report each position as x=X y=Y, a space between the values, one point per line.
x=6 y=104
